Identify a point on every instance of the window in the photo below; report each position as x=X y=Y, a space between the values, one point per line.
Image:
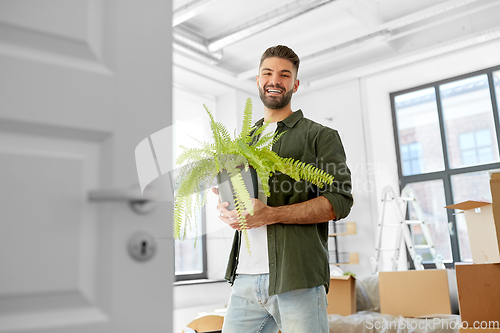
x=446 y=137
x=190 y=123
x=475 y=147
x=418 y=132
x=410 y=158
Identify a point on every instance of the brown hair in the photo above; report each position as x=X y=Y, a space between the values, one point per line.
x=283 y=52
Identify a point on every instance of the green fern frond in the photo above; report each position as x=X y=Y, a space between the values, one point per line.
x=224 y=133
x=203 y=144
x=277 y=137
x=247 y=119
x=256 y=133
x=216 y=131
x=308 y=172
x=242 y=197
x=265 y=140
x=239 y=207
x=192 y=155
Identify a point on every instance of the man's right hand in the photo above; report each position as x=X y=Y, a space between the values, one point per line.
x=221 y=205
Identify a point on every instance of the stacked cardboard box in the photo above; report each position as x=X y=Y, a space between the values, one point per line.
x=342 y=295
x=479 y=283
x=479 y=295
x=418 y=293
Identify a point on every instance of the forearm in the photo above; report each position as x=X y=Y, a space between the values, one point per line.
x=308 y=212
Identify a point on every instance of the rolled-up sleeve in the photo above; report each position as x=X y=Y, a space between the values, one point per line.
x=332 y=159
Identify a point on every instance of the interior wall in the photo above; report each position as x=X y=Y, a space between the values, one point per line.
x=340 y=107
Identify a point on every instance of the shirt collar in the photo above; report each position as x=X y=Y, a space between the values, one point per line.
x=289 y=121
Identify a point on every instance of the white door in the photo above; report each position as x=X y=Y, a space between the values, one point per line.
x=82 y=82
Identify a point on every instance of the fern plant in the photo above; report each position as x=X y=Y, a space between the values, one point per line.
x=248 y=148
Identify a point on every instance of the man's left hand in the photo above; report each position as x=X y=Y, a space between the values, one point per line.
x=260 y=217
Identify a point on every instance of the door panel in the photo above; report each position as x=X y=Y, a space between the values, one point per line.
x=48 y=252
x=82 y=82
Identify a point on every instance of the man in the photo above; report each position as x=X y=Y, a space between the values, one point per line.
x=283 y=283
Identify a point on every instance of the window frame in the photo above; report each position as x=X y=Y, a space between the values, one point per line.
x=448 y=172
x=204 y=274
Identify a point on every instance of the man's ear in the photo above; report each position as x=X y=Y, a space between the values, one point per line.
x=257 y=80
x=296 y=85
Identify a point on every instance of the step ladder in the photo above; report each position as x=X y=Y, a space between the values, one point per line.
x=401 y=206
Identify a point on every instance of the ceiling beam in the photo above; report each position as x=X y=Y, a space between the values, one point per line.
x=193 y=45
x=190 y=10
x=266 y=21
x=211 y=50
x=213 y=73
x=406 y=58
x=383 y=30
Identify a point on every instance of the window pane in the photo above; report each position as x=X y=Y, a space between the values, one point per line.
x=469 y=157
x=468 y=120
x=484 y=154
x=466 y=141
x=418 y=131
x=496 y=82
x=405 y=154
x=483 y=138
x=429 y=207
x=468 y=186
x=188 y=256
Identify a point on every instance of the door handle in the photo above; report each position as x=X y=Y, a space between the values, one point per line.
x=139 y=203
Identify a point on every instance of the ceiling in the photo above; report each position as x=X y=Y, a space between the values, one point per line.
x=337 y=40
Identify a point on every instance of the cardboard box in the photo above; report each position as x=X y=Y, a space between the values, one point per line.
x=418 y=293
x=479 y=293
x=483 y=224
x=342 y=295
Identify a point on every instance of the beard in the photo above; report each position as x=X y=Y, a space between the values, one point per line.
x=275 y=102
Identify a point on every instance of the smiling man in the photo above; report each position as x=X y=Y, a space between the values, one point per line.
x=283 y=283
x=276 y=83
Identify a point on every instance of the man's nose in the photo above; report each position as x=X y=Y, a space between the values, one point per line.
x=274 y=79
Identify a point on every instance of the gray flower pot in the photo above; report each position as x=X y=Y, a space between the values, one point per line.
x=226 y=189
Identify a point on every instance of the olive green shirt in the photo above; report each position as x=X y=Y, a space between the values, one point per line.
x=298 y=253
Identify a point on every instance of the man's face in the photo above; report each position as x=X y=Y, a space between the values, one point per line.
x=276 y=82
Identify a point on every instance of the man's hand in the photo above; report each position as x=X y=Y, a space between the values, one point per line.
x=308 y=212
x=261 y=212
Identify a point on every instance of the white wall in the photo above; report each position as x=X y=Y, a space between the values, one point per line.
x=339 y=107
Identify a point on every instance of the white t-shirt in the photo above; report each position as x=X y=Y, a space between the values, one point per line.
x=257 y=262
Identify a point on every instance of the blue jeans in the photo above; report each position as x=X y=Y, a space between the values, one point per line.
x=252 y=310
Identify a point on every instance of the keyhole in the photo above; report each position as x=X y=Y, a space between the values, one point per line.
x=141 y=246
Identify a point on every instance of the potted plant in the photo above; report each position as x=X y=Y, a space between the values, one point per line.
x=231 y=160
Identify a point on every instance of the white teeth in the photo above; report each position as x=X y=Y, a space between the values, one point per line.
x=274 y=91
